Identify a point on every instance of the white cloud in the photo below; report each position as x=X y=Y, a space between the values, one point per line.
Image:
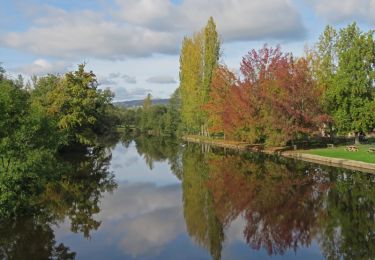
x=162 y=79
x=132 y=200
x=145 y=27
x=115 y=79
x=143 y=217
x=140 y=219
x=88 y=34
x=114 y=75
x=41 y=67
x=122 y=93
x=143 y=238
x=106 y=82
x=144 y=12
x=337 y=11
x=129 y=79
x=236 y=19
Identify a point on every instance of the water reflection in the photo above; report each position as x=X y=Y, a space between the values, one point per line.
x=202 y=222
x=348 y=226
x=286 y=205
x=160 y=149
x=31 y=239
x=78 y=195
x=74 y=197
x=153 y=198
x=279 y=202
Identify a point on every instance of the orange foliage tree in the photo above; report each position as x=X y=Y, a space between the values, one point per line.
x=275 y=99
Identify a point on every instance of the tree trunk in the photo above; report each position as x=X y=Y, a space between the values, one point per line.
x=356 y=138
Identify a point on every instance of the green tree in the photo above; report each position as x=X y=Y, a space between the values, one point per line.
x=324 y=58
x=343 y=63
x=211 y=58
x=190 y=81
x=198 y=60
x=172 y=118
x=76 y=103
x=145 y=115
x=351 y=94
x=2 y=72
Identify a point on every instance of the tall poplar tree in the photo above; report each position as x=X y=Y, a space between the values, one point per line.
x=199 y=58
x=190 y=81
x=211 y=58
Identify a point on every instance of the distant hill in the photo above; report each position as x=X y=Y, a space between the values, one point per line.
x=138 y=103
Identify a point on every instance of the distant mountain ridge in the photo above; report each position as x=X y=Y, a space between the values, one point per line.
x=138 y=103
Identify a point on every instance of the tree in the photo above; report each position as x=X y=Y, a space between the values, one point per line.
x=323 y=59
x=145 y=113
x=343 y=64
x=222 y=82
x=76 y=103
x=211 y=54
x=147 y=103
x=198 y=60
x=351 y=93
x=276 y=101
x=2 y=72
x=294 y=103
x=173 y=116
x=190 y=81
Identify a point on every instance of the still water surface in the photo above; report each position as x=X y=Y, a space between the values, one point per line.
x=153 y=199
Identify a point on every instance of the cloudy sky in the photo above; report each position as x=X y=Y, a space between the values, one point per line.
x=133 y=45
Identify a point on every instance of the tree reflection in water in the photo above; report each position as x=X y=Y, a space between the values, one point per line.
x=157 y=149
x=31 y=238
x=286 y=204
x=280 y=203
x=348 y=227
x=203 y=225
x=75 y=196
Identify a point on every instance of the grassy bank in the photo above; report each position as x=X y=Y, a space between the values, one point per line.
x=339 y=152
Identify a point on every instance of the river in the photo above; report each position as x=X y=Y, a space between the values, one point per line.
x=151 y=198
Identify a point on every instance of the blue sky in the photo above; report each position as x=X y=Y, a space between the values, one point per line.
x=133 y=45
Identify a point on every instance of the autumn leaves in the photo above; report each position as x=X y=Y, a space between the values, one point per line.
x=276 y=98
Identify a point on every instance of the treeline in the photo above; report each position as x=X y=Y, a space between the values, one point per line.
x=275 y=98
x=68 y=108
x=158 y=120
x=278 y=98
x=40 y=120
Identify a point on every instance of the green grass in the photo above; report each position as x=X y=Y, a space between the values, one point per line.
x=339 y=152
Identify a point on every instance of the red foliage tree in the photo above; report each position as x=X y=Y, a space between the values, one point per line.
x=276 y=98
x=222 y=82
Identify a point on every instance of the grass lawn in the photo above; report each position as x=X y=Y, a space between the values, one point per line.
x=340 y=152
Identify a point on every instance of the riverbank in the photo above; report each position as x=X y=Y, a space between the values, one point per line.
x=285 y=152
x=235 y=145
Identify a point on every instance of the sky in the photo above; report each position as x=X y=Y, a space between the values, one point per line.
x=133 y=45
